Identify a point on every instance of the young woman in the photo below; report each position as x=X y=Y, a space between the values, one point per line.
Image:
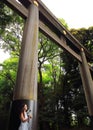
x=24 y=118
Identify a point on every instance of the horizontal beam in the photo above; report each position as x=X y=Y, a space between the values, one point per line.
x=24 y=13
x=60 y=42
x=56 y=39
x=55 y=24
x=45 y=14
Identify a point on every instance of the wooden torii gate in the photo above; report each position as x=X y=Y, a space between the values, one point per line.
x=38 y=17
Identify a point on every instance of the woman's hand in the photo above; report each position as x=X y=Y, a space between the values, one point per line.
x=29 y=116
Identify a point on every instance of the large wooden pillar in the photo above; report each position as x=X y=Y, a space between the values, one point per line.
x=87 y=84
x=26 y=84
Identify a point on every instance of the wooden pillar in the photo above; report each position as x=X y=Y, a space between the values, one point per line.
x=26 y=84
x=87 y=84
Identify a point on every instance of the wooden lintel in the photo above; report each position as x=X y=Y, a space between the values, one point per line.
x=53 y=22
x=58 y=25
x=61 y=42
x=56 y=39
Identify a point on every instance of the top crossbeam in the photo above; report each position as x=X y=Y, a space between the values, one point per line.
x=51 y=27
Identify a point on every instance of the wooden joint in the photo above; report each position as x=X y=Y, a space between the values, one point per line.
x=82 y=49
x=35 y=2
x=64 y=32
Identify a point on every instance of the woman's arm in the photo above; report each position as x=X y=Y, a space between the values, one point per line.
x=23 y=119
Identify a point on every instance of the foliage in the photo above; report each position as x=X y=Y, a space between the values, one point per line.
x=62 y=91
x=85 y=36
x=11 y=29
x=5 y=17
x=63 y=22
x=48 y=59
x=7 y=81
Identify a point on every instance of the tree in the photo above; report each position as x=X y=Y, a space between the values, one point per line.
x=11 y=29
x=47 y=65
x=63 y=22
x=8 y=72
x=85 y=36
x=5 y=17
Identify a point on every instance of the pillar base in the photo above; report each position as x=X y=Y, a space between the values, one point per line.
x=16 y=107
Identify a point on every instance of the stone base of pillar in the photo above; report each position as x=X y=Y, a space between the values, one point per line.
x=16 y=108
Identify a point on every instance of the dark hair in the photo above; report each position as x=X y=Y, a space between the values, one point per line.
x=22 y=106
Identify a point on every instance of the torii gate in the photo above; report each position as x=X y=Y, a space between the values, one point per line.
x=37 y=16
